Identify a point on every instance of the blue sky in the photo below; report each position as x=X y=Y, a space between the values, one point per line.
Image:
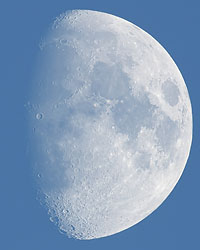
x=24 y=223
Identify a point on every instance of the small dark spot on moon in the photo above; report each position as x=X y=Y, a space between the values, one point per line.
x=72 y=228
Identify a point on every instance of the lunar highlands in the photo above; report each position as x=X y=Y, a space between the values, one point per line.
x=111 y=124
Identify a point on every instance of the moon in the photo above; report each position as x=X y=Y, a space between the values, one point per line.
x=110 y=124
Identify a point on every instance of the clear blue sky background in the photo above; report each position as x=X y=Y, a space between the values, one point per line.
x=24 y=224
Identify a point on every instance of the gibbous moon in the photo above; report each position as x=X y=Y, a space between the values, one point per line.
x=111 y=124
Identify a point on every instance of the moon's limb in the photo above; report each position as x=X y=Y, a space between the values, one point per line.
x=112 y=124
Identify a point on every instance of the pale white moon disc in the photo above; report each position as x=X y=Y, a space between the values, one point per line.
x=111 y=124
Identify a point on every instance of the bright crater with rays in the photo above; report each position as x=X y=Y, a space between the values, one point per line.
x=111 y=124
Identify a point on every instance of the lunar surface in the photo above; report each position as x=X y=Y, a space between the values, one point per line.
x=111 y=124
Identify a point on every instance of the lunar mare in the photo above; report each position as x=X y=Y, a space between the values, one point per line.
x=111 y=124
